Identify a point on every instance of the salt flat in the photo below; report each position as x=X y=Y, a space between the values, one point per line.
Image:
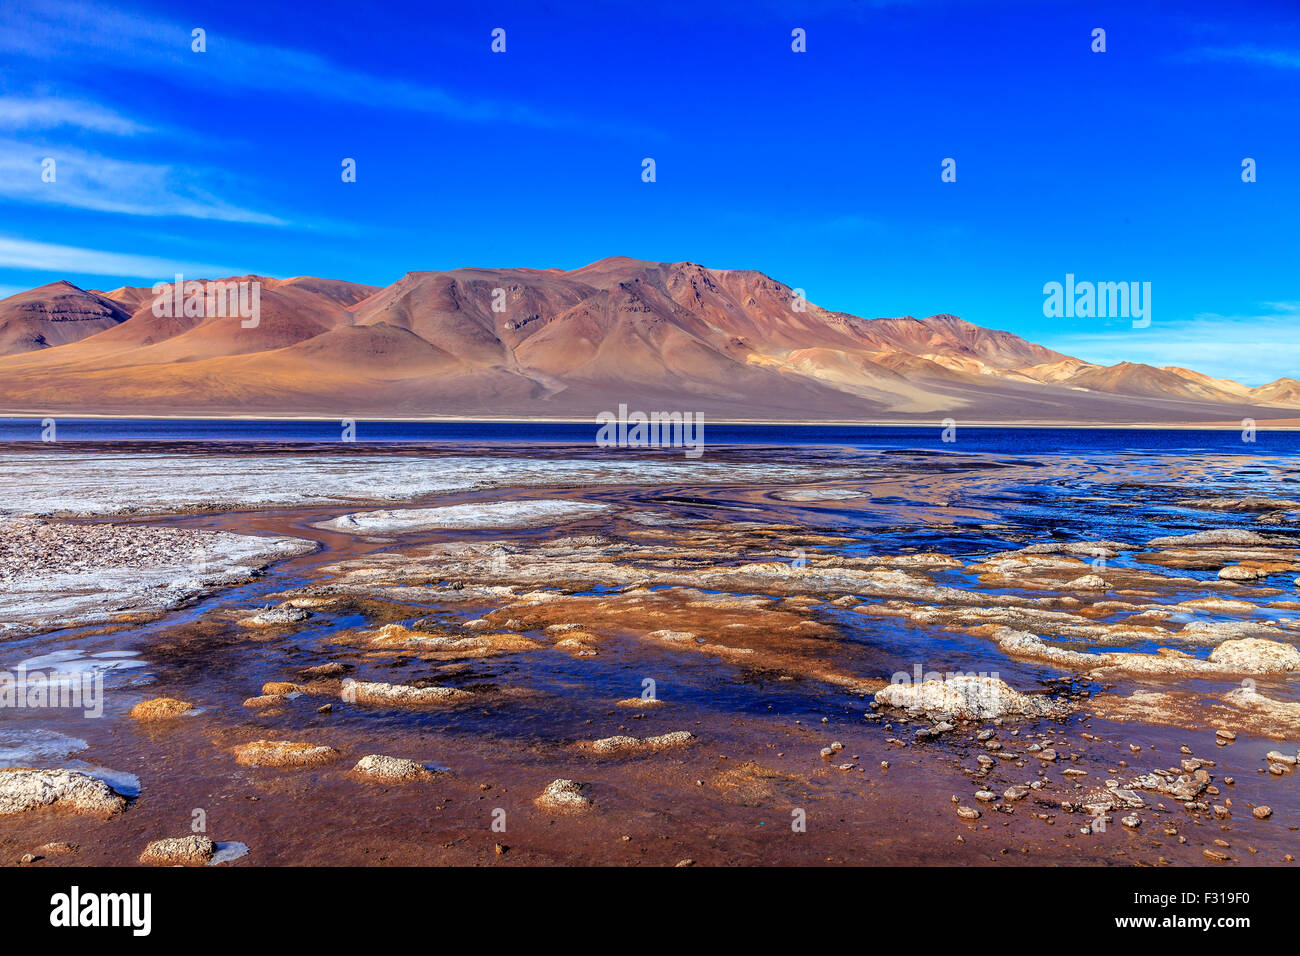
x=74 y=483
x=56 y=574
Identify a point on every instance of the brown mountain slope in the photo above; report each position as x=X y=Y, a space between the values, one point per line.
x=732 y=344
x=54 y=314
x=1128 y=378
x=1220 y=385
x=1285 y=392
x=290 y=311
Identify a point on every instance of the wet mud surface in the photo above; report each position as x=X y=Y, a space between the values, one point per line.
x=762 y=616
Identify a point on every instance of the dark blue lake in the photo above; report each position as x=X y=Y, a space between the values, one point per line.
x=991 y=439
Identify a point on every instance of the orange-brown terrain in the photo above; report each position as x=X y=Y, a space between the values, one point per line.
x=891 y=658
x=733 y=345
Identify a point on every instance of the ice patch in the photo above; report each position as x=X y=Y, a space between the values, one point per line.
x=76 y=668
x=127 y=784
x=819 y=494
x=78 y=662
x=37 y=747
x=658 y=519
x=227 y=852
x=488 y=515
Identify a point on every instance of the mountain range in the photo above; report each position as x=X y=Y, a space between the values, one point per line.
x=547 y=343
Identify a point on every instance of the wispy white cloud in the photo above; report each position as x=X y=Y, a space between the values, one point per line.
x=1282 y=59
x=91 y=32
x=50 y=112
x=1251 y=349
x=84 y=180
x=74 y=260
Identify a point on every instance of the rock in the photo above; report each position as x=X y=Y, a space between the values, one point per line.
x=194 y=850
x=283 y=753
x=1113 y=797
x=1241 y=572
x=985 y=796
x=967 y=697
x=1222 y=536
x=1248 y=503
x=272 y=616
x=1131 y=822
x=1091 y=582
x=563 y=796
x=1047 y=754
x=968 y=813
x=625 y=744
x=1254 y=655
x=640 y=702
x=160 y=708
x=331 y=669
x=1184 y=788
x=263 y=702
x=1262 y=812
x=384 y=769
x=582 y=645
x=1215 y=855
x=399 y=695
x=23 y=789
x=1013 y=794
x=1213 y=633
x=280 y=688
x=1276 y=756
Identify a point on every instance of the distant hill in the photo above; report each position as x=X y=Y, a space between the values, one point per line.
x=55 y=314
x=501 y=343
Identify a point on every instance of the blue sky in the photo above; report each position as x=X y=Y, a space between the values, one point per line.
x=821 y=169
